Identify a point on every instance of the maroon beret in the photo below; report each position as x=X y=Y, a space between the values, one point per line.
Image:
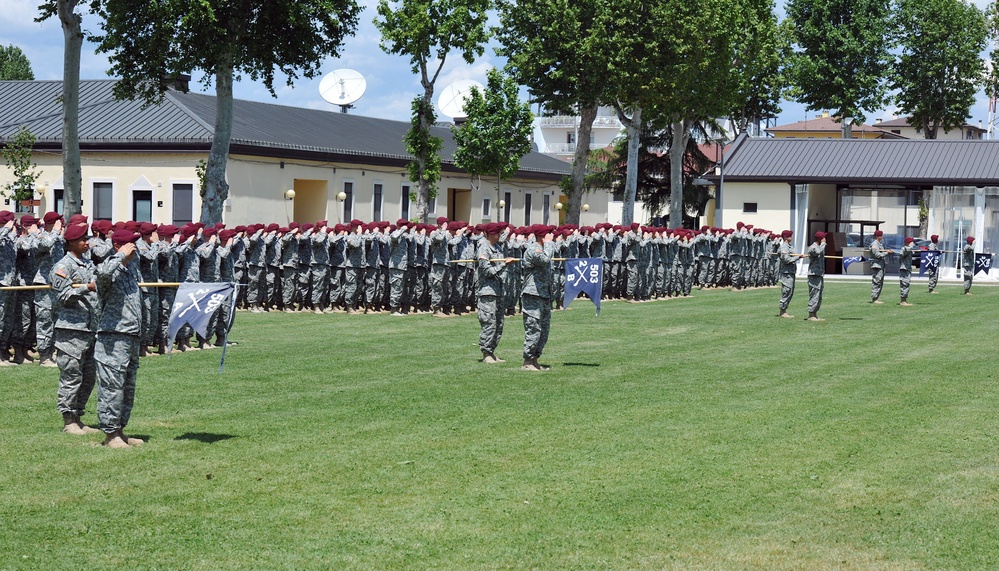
x=339 y=228
x=226 y=235
x=934 y=238
x=6 y=216
x=28 y=220
x=786 y=234
x=355 y=222
x=167 y=230
x=442 y=220
x=909 y=239
x=306 y=227
x=272 y=227
x=147 y=228
x=123 y=236
x=820 y=235
x=293 y=225
x=970 y=239
x=101 y=226
x=75 y=232
x=240 y=228
x=51 y=217
x=131 y=226
x=209 y=232
x=78 y=218
x=878 y=233
x=219 y=225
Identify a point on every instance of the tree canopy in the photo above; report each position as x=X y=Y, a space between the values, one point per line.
x=497 y=131
x=940 y=69
x=14 y=65
x=152 y=43
x=841 y=54
x=428 y=31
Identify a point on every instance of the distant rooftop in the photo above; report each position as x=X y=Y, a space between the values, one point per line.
x=863 y=161
x=831 y=125
x=184 y=121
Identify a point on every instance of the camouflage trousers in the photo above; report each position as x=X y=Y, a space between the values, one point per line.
x=491 y=322
x=6 y=315
x=167 y=296
x=318 y=286
x=815 y=285
x=968 y=274
x=786 y=290
x=77 y=369
x=438 y=285
x=877 y=281
x=352 y=280
x=289 y=287
x=904 y=281
x=117 y=356
x=150 y=315
x=537 y=322
x=44 y=322
x=397 y=288
x=932 y=276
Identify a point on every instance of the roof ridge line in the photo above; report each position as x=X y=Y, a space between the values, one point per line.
x=187 y=111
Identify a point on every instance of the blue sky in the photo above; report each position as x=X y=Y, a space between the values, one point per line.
x=391 y=85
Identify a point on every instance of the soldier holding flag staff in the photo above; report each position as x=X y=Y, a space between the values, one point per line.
x=932 y=270
x=878 y=255
x=816 y=275
x=491 y=275
x=788 y=265
x=968 y=263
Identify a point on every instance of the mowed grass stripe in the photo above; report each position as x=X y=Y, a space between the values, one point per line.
x=700 y=433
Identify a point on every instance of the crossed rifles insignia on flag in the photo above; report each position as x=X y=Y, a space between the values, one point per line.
x=584 y=275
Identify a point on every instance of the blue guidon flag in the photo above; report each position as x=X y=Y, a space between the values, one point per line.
x=195 y=305
x=584 y=275
x=852 y=260
x=928 y=261
x=983 y=263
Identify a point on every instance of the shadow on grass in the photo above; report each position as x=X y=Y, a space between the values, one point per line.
x=580 y=364
x=205 y=437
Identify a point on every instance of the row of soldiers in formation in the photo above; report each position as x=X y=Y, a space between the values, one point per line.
x=371 y=267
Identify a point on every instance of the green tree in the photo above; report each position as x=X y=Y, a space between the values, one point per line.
x=17 y=154
x=152 y=43
x=841 y=56
x=427 y=31
x=558 y=49
x=674 y=59
x=758 y=68
x=14 y=65
x=497 y=132
x=939 y=70
x=72 y=33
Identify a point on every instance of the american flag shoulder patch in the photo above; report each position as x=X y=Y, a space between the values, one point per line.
x=61 y=273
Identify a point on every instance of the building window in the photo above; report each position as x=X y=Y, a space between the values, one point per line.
x=528 y=203
x=749 y=207
x=60 y=202
x=348 y=202
x=142 y=205
x=570 y=137
x=487 y=207
x=546 y=205
x=103 y=201
x=405 y=201
x=508 y=198
x=376 y=202
x=183 y=204
x=913 y=197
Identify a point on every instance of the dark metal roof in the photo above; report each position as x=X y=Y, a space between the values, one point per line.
x=187 y=119
x=858 y=161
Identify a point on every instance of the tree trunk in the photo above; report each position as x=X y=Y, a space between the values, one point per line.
x=681 y=134
x=72 y=177
x=422 y=184
x=587 y=115
x=634 y=129
x=216 y=188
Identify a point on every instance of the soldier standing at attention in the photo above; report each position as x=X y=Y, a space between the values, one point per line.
x=905 y=271
x=878 y=254
x=816 y=275
x=117 y=348
x=75 y=311
x=536 y=298
x=968 y=263
x=491 y=291
x=788 y=265
x=932 y=271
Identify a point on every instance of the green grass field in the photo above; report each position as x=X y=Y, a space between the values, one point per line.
x=699 y=433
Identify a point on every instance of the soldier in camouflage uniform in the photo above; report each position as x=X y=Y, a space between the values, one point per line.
x=536 y=297
x=905 y=271
x=491 y=291
x=968 y=263
x=117 y=347
x=8 y=259
x=76 y=312
x=354 y=274
x=933 y=271
x=788 y=266
x=816 y=275
x=398 y=252
x=878 y=255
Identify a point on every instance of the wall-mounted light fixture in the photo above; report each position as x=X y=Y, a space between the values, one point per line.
x=586 y=208
x=290 y=194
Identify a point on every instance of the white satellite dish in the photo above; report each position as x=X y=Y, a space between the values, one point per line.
x=342 y=87
x=452 y=99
